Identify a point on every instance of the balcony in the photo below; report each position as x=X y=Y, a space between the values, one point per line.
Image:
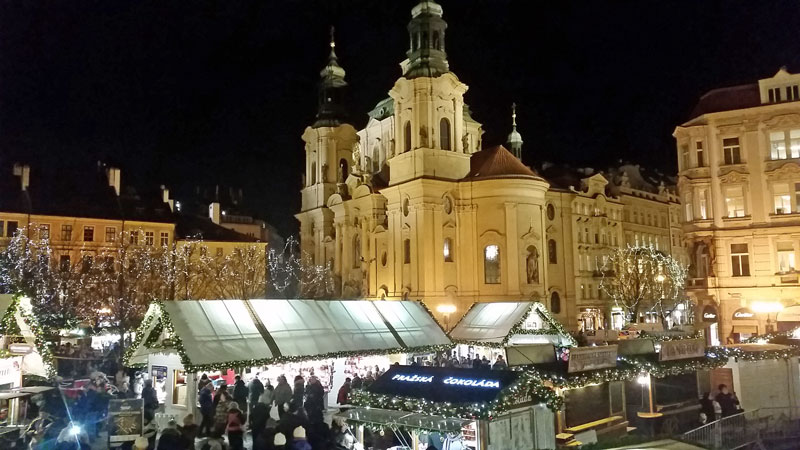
x=696 y=283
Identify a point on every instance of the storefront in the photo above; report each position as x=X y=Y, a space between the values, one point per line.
x=488 y=329
x=448 y=408
x=745 y=325
x=181 y=340
x=710 y=320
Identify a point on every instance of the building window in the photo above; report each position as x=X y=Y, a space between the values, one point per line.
x=313 y=173
x=407 y=136
x=785 y=257
x=784 y=144
x=448 y=250
x=731 y=151
x=219 y=252
x=407 y=251
x=11 y=228
x=740 y=260
x=774 y=95
x=149 y=238
x=444 y=133
x=793 y=92
x=734 y=201
x=134 y=238
x=781 y=198
x=44 y=231
x=491 y=264
x=555 y=303
x=687 y=205
x=356 y=251
x=86 y=263
x=2 y=225
x=436 y=42
x=343 y=170
x=552 y=257
x=66 y=232
x=64 y=263
x=701 y=162
x=164 y=239
x=88 y=234
x=685 y=156
x=551 y=212
x=111 y=234
x=703 y=193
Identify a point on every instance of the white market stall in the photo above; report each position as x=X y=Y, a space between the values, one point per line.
x=179 y=340
x=487 y=329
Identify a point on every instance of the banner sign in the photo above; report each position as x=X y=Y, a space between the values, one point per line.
x=11 y=371
x=582 y=359
x=682 y=349
x=709 y=313
x=125 y=420
x=743 y=313
x=440 y=384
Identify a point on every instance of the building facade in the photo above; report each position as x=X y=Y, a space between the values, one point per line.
x=411 y=207
x=739 y=162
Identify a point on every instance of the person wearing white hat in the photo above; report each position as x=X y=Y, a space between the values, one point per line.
x=299 y=442
x=140 y=443
x=279 y=442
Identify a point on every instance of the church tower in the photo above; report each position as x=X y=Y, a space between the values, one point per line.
x=328 y=147
x=514 y=140
x=429 y=107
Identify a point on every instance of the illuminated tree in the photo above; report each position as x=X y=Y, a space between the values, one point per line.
x=638 y=279
x=293 y=274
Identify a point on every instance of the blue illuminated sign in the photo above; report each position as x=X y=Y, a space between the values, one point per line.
x=472 y=382
x=467 y=382
x=413 y=378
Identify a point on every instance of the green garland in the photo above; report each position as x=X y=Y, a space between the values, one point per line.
x=139 y=337
x=769 y=337
x=660 y=338
x=758 y=355
x=8 y=324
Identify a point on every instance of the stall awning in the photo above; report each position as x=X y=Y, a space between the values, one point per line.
x=496 y=322
x=213 y=332
x=388 y=417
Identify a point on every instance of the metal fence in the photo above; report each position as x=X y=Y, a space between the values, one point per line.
x=755 y=427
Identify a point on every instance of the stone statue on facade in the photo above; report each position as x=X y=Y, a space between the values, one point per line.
x=532 y=266
x=357 y=155
x=325 y=173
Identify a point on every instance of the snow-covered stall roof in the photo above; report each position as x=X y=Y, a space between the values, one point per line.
x=214 y=332
x=508 y=323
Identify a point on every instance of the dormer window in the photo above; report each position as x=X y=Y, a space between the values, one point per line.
x=793 y=92
x=774 y=95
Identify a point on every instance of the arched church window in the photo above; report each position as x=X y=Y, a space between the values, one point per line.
x=491 y=264
x=313 y=173
x=356 y=251
x=436 y=40
x=532 y=265
x=407 y=136
x=424 y=43
x=555 y=303
x=448 y=250
x=415 y=42
x=407 y=251
x=552 y=256
x=444 y=133
x=343 y=170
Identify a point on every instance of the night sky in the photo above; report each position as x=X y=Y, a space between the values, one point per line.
x=185 y=92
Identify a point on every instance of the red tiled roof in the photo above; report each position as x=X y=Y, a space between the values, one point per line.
x=497 y=162
x=727 y=99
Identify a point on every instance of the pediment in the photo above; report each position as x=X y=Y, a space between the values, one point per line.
x=734 y=177
x=783 y=121
x=788 y=171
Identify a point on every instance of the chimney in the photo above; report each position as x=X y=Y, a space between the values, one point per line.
x=165 y=198
x=214 y=212
x=114 y=178
x=23 y=171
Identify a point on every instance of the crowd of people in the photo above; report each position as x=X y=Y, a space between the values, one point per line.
x=463 y=362
x=724 y=404
x=283 y=416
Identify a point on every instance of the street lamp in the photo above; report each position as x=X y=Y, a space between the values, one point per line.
x=446 y=310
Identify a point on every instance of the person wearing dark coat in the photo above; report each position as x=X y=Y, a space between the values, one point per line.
x=171 y=438
x=258 y=419
x=315 y=401
x=298 y=394
x=206 y=410
x=189 y=432
x=343 y=397
x=240 y=393
x=256 y=388
x=727 y=401
x=707 y=407
x=357 y=382
x=150 y=397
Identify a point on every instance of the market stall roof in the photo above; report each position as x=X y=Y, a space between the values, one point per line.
x=497 y=323
x=405 y=419
x=214 y=332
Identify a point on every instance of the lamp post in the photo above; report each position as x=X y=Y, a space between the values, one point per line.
x=768 y=308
